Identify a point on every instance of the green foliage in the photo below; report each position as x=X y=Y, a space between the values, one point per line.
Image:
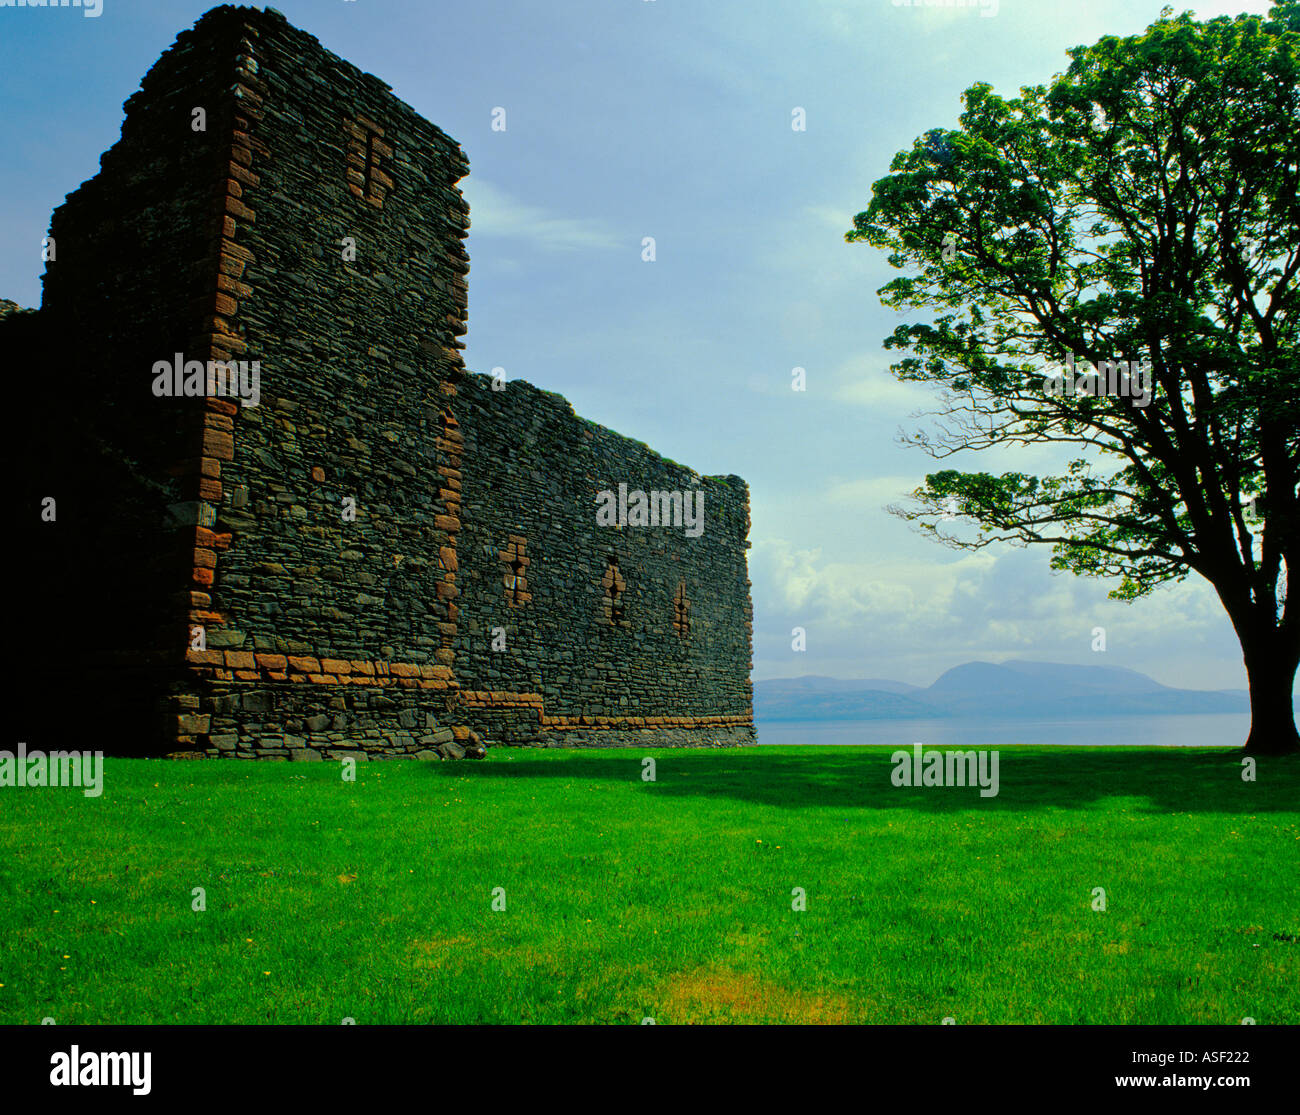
x=1145 y=205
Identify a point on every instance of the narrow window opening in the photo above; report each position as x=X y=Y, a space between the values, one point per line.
x=515 y=575
x=615 y=588
x=681 y=612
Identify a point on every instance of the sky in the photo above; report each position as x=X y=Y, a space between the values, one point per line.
x=672 y=119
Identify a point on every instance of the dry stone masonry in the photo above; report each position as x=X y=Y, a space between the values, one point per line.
x=357 y=547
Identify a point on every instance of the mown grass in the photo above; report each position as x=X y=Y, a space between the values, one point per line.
x=628 y=899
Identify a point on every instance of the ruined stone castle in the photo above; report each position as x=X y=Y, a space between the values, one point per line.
x=385 y=555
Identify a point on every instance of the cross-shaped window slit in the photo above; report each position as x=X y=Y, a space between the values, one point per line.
x=515 y=574
x=368 y=155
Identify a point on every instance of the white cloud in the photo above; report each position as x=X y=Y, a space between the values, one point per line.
x=495 y=213
x=865 y=380
x=882 y=391
x=873 y=493
x=909 y=617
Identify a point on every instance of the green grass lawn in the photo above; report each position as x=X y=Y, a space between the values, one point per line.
x=625 y=899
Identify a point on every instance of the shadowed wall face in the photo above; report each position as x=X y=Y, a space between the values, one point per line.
x=129 y=279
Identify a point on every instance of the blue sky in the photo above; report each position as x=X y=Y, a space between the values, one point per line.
x=672 y=119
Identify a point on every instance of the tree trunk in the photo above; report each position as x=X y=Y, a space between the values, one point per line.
x=1271 y=669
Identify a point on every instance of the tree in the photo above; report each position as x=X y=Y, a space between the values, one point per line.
x=1140 y=214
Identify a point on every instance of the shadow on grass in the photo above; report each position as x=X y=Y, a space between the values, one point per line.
x=1171 y=781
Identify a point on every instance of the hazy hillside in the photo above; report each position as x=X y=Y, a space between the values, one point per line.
x=1011 y=689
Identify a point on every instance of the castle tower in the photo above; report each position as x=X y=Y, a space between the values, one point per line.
x=270 y=204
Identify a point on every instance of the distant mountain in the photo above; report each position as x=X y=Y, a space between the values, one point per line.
x=1045 y=690
x=811 y=683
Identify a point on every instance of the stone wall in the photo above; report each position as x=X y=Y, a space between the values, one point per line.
x=536 y=567
x=320 y=573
